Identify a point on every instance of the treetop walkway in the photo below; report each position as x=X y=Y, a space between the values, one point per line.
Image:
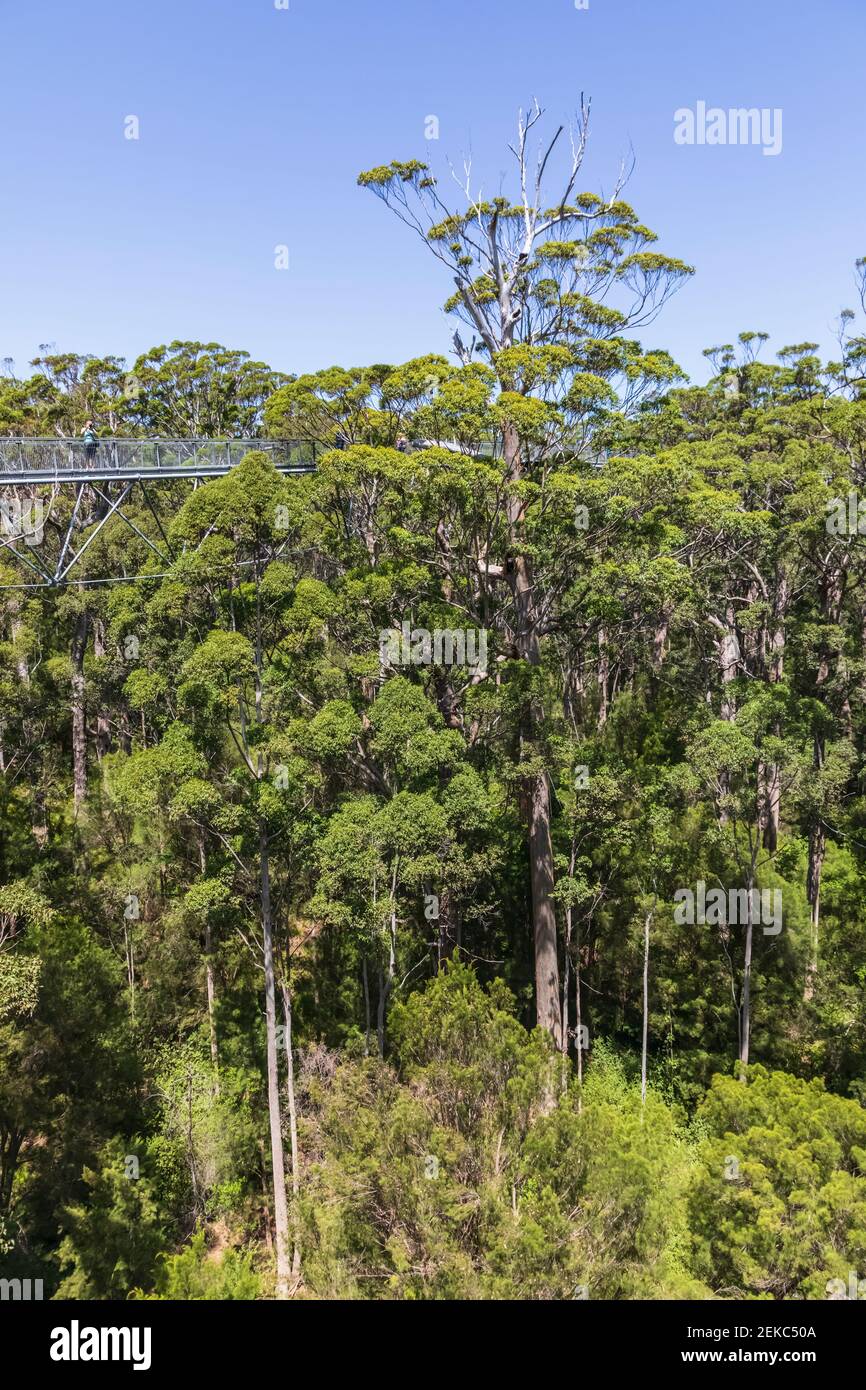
x=99 y=477
x=31 y=461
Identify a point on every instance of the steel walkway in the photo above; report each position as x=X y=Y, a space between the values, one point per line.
x=33 y=461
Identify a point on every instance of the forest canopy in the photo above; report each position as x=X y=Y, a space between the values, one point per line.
x=440 y=874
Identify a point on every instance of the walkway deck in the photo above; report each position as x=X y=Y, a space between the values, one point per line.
x=30 y=461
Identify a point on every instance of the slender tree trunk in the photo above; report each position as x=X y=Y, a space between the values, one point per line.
x=293 y=1131
x=578 y=1023
x=447 y=934
x=645 y=1019
x=602 y=678
x=746 y=996
x=817 y=849
x=266 y=1199
x=566 y=982
x=776 y=655
x=772 y=793
x=130 y=969
x=38 y=815
x=380 y=1012
x=209 y=973
x=79 y=725
x=211 y=1005
x=386 y=985
x=366 y=979
x=281 y=1216
x=728 y=648
x=103 y=727
x=660 y=641
x=278 y=1163
x=10 y=1147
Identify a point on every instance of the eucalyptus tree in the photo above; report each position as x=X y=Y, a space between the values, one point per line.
x=225 y=684
x=532 y=274
x=199 y=390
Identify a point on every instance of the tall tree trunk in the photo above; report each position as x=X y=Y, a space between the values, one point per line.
x=365 y=976
x=519 y=573
x=103 y=727
x=645 y=1017
x=817 y=849
x=660 y=640
x=776 y=653
x=293 y=1129
x=278 y=1163
x=746 y=995
x=380 y=1012
x=541 y=866
x=281 y=1215
x=602 y=678
x=728 y=648
x=566 y=974
x=79 y=724
x=772 y=797
x=386 y=984
x=832 y=591
x=209 y=972
x=578 y=1022
x=10 y=1147
x=38 y=815
x=566 y=984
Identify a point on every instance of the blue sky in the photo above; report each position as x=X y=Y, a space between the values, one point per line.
x=255 y=121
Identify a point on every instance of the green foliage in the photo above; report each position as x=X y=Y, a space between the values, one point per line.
x=673 y=695
x=778 y=1202
x=457 y=1174
x=113 y=1237
x=196 y=1274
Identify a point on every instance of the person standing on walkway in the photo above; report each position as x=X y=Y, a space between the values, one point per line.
x=90 y=440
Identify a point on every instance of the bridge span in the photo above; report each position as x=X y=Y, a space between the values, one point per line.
x=34 y=461
x=57 y=495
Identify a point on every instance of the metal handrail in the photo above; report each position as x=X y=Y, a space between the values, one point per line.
x=110 y=454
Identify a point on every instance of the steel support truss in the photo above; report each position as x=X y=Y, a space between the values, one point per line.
x=107 y=475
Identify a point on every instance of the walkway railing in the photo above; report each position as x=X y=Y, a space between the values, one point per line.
x=72 y=460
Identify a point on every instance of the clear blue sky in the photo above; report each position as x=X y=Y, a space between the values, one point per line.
x=254 y=123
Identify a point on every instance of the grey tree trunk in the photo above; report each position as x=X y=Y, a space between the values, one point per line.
x=38 y=813
x=211 y=1007
x=547 y=1002
x=566 y=981
x=275 y=1119
x=79 y=726
x=293 y=1131
x=817 y=849
x=281 y=1215
x=366 y=981
x=209 y=971
x=103 y=727
x=648 y=919
x=578 y=1022
x=746 y=996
